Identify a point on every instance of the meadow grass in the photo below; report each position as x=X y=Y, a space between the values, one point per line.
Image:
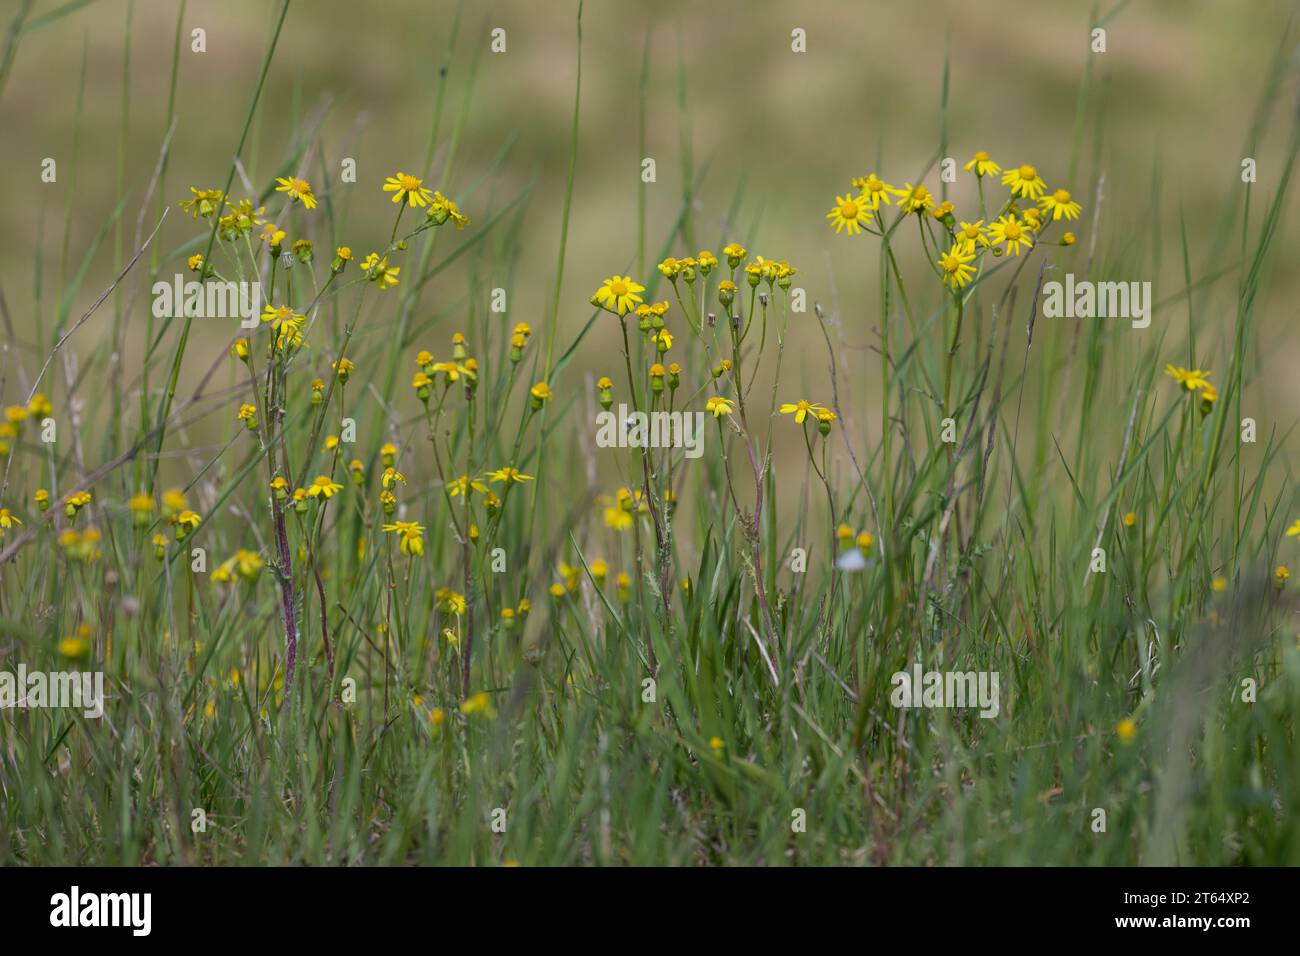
x=649 y=679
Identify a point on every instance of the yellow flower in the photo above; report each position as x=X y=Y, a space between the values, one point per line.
x=663 y=340
x=141 y=506
x=380 y=271
x=718 y=406
x=278 y=316
x=599 y=569
x=480 y=703
x=248 y=564
x=1060 y=204
x=509 y=475
x=409 y=188
x=1294 y=530
x=411 y=535
x=1012 y=232
x=844 y=534
x=541 y=392
x=864 y=542
x=955 y=264
x=323 y=486
x=40 y=405
x=1024 y=181
x=717 y=745
x=9 y=520
x=915 y=199
x=619 y=294
x=1126 y=730
x=186 y=522
x=464 y=485
x=800 y=409
x=1130 y=519
x=204 y=203
x=874 y=191
x=849 y=213
x=1191 y=379
x=298 y=189
x=173 y=501
x=450 y=601
x=981 y=165
x=195 y=262
x=1219 y=584
x=248 y=415
x=1281 y=573
x=75 y=647
x=617 y=519
x=441 y=209
x=969 y=234
x=272 y=234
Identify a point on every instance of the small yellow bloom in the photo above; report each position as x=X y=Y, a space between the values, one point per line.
x=981 y=165
x=186 y=522
x=915 y=199
x=298 y=189
x=717 y=406
x=479 y=703
x=1060 y=204
x=955 y=264
x=410 y=534
x=800 y=409
x=874 y=191
x=849 y=213
x=1126 y=730
x=619 y=294
x=509 y=475
x=409 y=188
x=1130 y=519
x=323 y=486
x=1011 y=233
x=1024 y=181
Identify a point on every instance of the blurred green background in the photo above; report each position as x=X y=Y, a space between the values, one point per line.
x=1172 y=102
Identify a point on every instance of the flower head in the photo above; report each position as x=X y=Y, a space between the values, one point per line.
x=1010 y=233
x=849 y=213
x=323 y=487
x=298 y=189
x=800 y=409
x=403 y=186
x=619 y=294
x=410 y=535
x=717 y=406
x=1060 y=204
x=1024 y=181
x=981 y=165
